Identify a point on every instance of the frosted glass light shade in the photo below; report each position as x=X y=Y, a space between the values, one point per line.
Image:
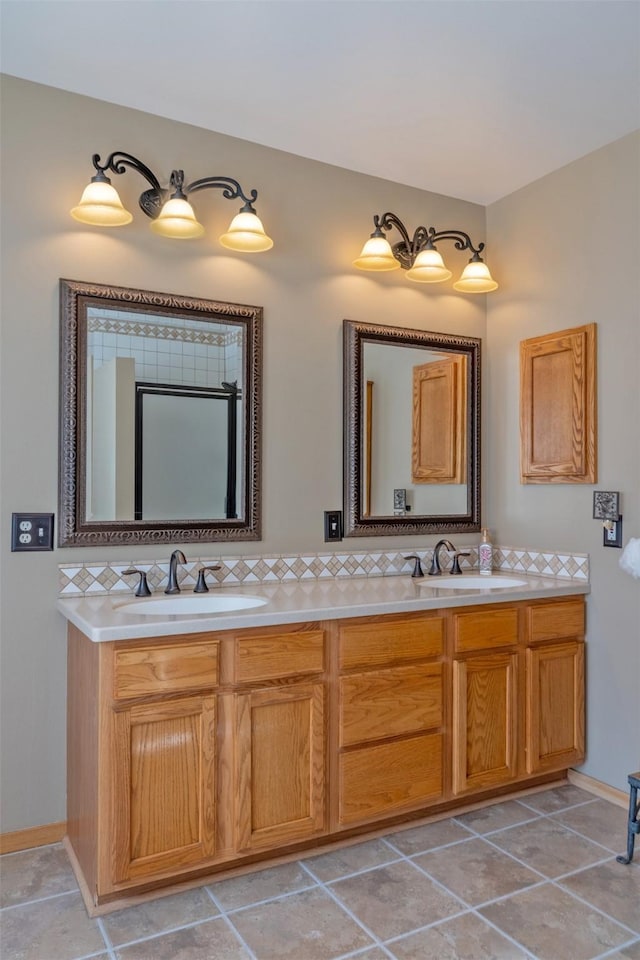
x=476 y=278
x=376 y=255
x=428 y=268
x=177 y=221
x=101 y=206
x=246 y=233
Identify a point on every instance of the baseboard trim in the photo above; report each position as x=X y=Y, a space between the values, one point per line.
x=600 y=789
x=32 y=837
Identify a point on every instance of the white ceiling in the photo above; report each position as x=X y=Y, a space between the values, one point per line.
x=469 y=98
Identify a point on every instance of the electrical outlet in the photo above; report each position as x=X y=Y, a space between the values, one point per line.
x=31 y=531
x=612 y=533
x=332 y=525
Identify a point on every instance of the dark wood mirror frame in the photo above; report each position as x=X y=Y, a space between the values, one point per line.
x=356 y=522
x=73 y=528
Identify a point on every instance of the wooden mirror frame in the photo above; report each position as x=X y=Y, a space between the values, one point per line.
x=73 y=527
x=356 y=523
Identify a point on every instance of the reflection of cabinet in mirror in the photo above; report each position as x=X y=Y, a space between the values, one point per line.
x=438 y=449
x=439 y=467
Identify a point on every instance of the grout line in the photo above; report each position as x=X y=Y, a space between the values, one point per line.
x=354 y=873
x=107 y=939
x=592 y=906
x=230 y=925
x=614 y=950
x=26 y=903
x=377 y=940
x=507 y=936
x=549 y=813
x=230 y=911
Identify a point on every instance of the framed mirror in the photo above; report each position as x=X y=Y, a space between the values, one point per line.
x=412 y=431
x=160 y=417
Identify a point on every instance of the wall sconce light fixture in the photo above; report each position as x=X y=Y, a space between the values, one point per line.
x=606 y=507
x=420 y=258
x=168 y=207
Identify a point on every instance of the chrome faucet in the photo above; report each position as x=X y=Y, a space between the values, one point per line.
x=176 y=557
x=436 y=569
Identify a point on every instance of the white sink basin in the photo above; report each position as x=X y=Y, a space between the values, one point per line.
x=486 y=582
x=187 y=605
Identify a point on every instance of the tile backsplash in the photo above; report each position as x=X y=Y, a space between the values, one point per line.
x=97 y=577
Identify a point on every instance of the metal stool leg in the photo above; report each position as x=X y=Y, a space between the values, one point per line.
x=634 y=824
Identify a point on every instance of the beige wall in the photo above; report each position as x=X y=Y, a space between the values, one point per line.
x=567 y=248
x=318 y=215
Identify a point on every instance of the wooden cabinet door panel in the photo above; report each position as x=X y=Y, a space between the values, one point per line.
x=555 y=706
x=558 y=407
x=166 y=668
x=163 y=786
x=388 y=703
x=281 y=765
x=385 y=778
x=484 y=721
x=438 y=449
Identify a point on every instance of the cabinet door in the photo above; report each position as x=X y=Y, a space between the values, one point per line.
x=555 y=706
x=281 y=765
x=484 y=721
x=163 y=786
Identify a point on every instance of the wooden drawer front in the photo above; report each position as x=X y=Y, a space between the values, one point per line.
x=165 y=669
x=389 y=641
x=279 y=655
x=388 y=703
x=389 y=777
x=485 y=630
x=552 y=621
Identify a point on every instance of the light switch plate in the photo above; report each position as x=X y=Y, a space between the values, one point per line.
x=332 y=525
x=31 y=531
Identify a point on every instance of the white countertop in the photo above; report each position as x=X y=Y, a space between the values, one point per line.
x=304 y=600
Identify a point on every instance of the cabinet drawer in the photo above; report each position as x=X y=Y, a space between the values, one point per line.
x=165 y=669
x=390 y=641
x=278 y=655
x=552 y=621
x=485 y=630
x=388 y=703
x=390 y=777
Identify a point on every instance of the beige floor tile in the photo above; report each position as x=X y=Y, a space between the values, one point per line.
x=395 y=899
x=557 y=799
x=376 y=953
x=466 y=937
x=263 y=885
x=552 y=924
x=31 y=874
x=479 y=874
x=612 y=887
x=428 y=836
x=307 y=925
x=55 y=929
x=496 y=817
x=212 y=940
x=157 y=916
x=604 y=822
x=548 y=846
x=340 y=863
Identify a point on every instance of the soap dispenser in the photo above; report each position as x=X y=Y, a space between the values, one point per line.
x=485 y=553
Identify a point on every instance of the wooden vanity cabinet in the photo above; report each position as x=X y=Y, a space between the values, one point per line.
x=555 y=694
x=193 y=754
x=485 y=697
x=390 y=728
x=280 y=737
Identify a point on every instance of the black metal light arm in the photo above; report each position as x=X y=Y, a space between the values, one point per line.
x=151 y=201
x=407 y=249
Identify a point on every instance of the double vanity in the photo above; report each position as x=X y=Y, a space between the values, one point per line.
x=210 y=732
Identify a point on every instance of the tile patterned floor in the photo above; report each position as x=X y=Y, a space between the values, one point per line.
x=533 y=878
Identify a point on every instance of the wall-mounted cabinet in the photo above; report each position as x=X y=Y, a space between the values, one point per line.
x=558 y=428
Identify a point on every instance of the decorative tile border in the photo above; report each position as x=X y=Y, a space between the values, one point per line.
x=96 y=577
